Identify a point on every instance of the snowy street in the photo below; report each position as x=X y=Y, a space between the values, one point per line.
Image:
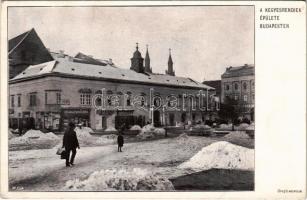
x=46 y=171
x=43 y=170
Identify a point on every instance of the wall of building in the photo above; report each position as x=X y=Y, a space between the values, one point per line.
x=70 y=94
x=239 y=93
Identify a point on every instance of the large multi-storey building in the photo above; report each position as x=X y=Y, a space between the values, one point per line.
x=56 y=92
x=238 y=84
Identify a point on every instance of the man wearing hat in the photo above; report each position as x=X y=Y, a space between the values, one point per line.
x=70 y=142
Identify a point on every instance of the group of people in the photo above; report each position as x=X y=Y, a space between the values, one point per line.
x=71 y=143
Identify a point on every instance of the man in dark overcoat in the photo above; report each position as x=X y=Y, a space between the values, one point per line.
x=70 y=142
x=120 y=140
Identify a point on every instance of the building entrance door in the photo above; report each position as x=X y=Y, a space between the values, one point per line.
x=103 y=122
x=183 y=117
x=172 y=119
x=157 y=121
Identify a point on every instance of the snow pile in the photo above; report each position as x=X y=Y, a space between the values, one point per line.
x=19 y=141
x=251 y=127
x=36 y=139
x=145 y=135
x=226 y=127
x=236 y=135
x=86 y=139
x=159 y=131
x=51 y=135
x=39 y=136
x=221 y=155
x=242 y=127
x=111 y=129
x=201 y=126
x=150 y=131
x=11 y=135
x=88 y=129
x=179 y=124
x=83 y=133
x=147 y=128
x=120 y=180
x=135 y=128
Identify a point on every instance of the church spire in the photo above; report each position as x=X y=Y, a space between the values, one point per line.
x=137 y=61
x=147 y=61
x=170 y=71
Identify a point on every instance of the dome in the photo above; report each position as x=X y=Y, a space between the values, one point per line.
x=137 y=54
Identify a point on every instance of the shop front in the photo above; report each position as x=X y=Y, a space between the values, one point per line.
x=77 y=115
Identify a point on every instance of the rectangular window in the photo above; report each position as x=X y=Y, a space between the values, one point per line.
x=53 y=97
x=58 y=98
x=46 y=98
x=85 y=99
x=12 y=101
x=236 y=97
x=245 y=97
x=33 y=99
x=18 y=100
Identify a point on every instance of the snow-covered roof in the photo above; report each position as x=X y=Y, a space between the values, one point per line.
x=66 y=66
x=244 y=70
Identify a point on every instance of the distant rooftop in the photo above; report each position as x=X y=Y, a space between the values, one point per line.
x=244 y=70
x=216 y=84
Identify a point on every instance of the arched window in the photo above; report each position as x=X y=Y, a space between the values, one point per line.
x=109 y=101
x=98 y=101
x=244 y=86
x=236 y=86
x=227 y=87
x=128 y=100
x=143 y=99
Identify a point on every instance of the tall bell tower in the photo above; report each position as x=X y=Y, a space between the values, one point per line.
x=137 y=61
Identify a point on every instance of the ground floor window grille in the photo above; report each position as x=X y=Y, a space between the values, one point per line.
x=85 y=99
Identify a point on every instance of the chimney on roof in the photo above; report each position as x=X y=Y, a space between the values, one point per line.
x=69 y=58
x=245 y=65
x=90 y=56
x=61 y=54
x=110 y=61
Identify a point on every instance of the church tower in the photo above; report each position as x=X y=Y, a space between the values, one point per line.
x=137 y=61
x=170 y=71
x=147 y=62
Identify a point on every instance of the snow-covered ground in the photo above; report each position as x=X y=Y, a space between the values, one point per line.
x=43 y=170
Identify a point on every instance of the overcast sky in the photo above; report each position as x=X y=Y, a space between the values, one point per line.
x=204 y=40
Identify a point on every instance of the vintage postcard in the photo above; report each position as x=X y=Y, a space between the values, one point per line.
x=153 y=100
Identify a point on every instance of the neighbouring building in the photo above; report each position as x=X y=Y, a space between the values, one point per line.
x=24 y=50
x=216 y=84
x=55 y=92
x=238 y=83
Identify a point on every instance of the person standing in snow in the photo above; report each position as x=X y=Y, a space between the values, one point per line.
x=120 y=140
x=70 y=142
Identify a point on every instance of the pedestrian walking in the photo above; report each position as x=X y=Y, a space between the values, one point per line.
x=70 y=143
x=120 y=141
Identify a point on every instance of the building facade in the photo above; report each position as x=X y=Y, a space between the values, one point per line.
x=238 y=84
x=105 y=97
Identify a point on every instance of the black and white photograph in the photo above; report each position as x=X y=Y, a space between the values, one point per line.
x=131 y=98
